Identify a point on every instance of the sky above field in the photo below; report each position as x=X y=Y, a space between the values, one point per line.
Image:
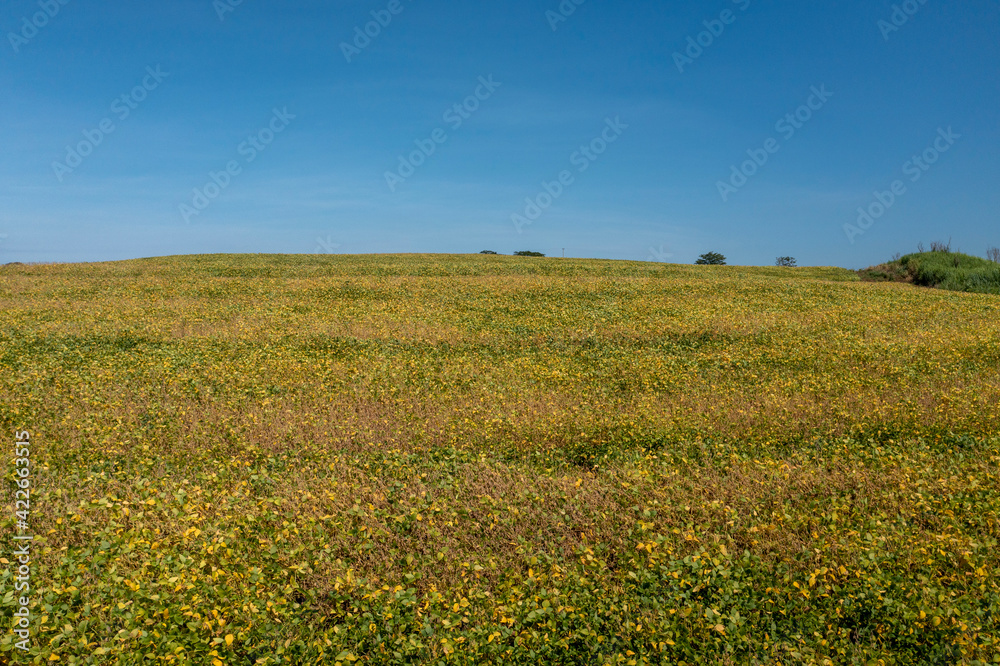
x=838 y=133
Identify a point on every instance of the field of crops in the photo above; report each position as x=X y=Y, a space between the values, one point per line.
x=477 y=459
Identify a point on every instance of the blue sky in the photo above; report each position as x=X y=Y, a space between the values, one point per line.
x=115 y=113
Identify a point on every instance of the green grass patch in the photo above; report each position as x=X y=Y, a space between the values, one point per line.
x=953 y=271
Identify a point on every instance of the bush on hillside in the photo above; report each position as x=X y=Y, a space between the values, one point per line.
x=940 y=269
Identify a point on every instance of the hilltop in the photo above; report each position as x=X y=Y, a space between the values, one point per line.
x=940 y=269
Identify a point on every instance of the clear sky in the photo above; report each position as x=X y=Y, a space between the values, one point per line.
x=134 y=129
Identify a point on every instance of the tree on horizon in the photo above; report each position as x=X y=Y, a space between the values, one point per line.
x=711 y=259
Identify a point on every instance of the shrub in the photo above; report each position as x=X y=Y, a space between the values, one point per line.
x=487 y=252
x=890 y=272
x=940 y=269
x=993 y=254
x=952 y=270
x=528 y=253
x=786 y=262
x=711 y=259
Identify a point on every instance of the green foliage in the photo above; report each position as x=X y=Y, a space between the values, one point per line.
x=940 y=269
x=711 y=259
x=487 y=252
x=528 y=253
x=786 y=262
x=888 y=272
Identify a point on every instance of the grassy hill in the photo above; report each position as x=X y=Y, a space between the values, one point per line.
x=940 y=269
x=485 y=459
